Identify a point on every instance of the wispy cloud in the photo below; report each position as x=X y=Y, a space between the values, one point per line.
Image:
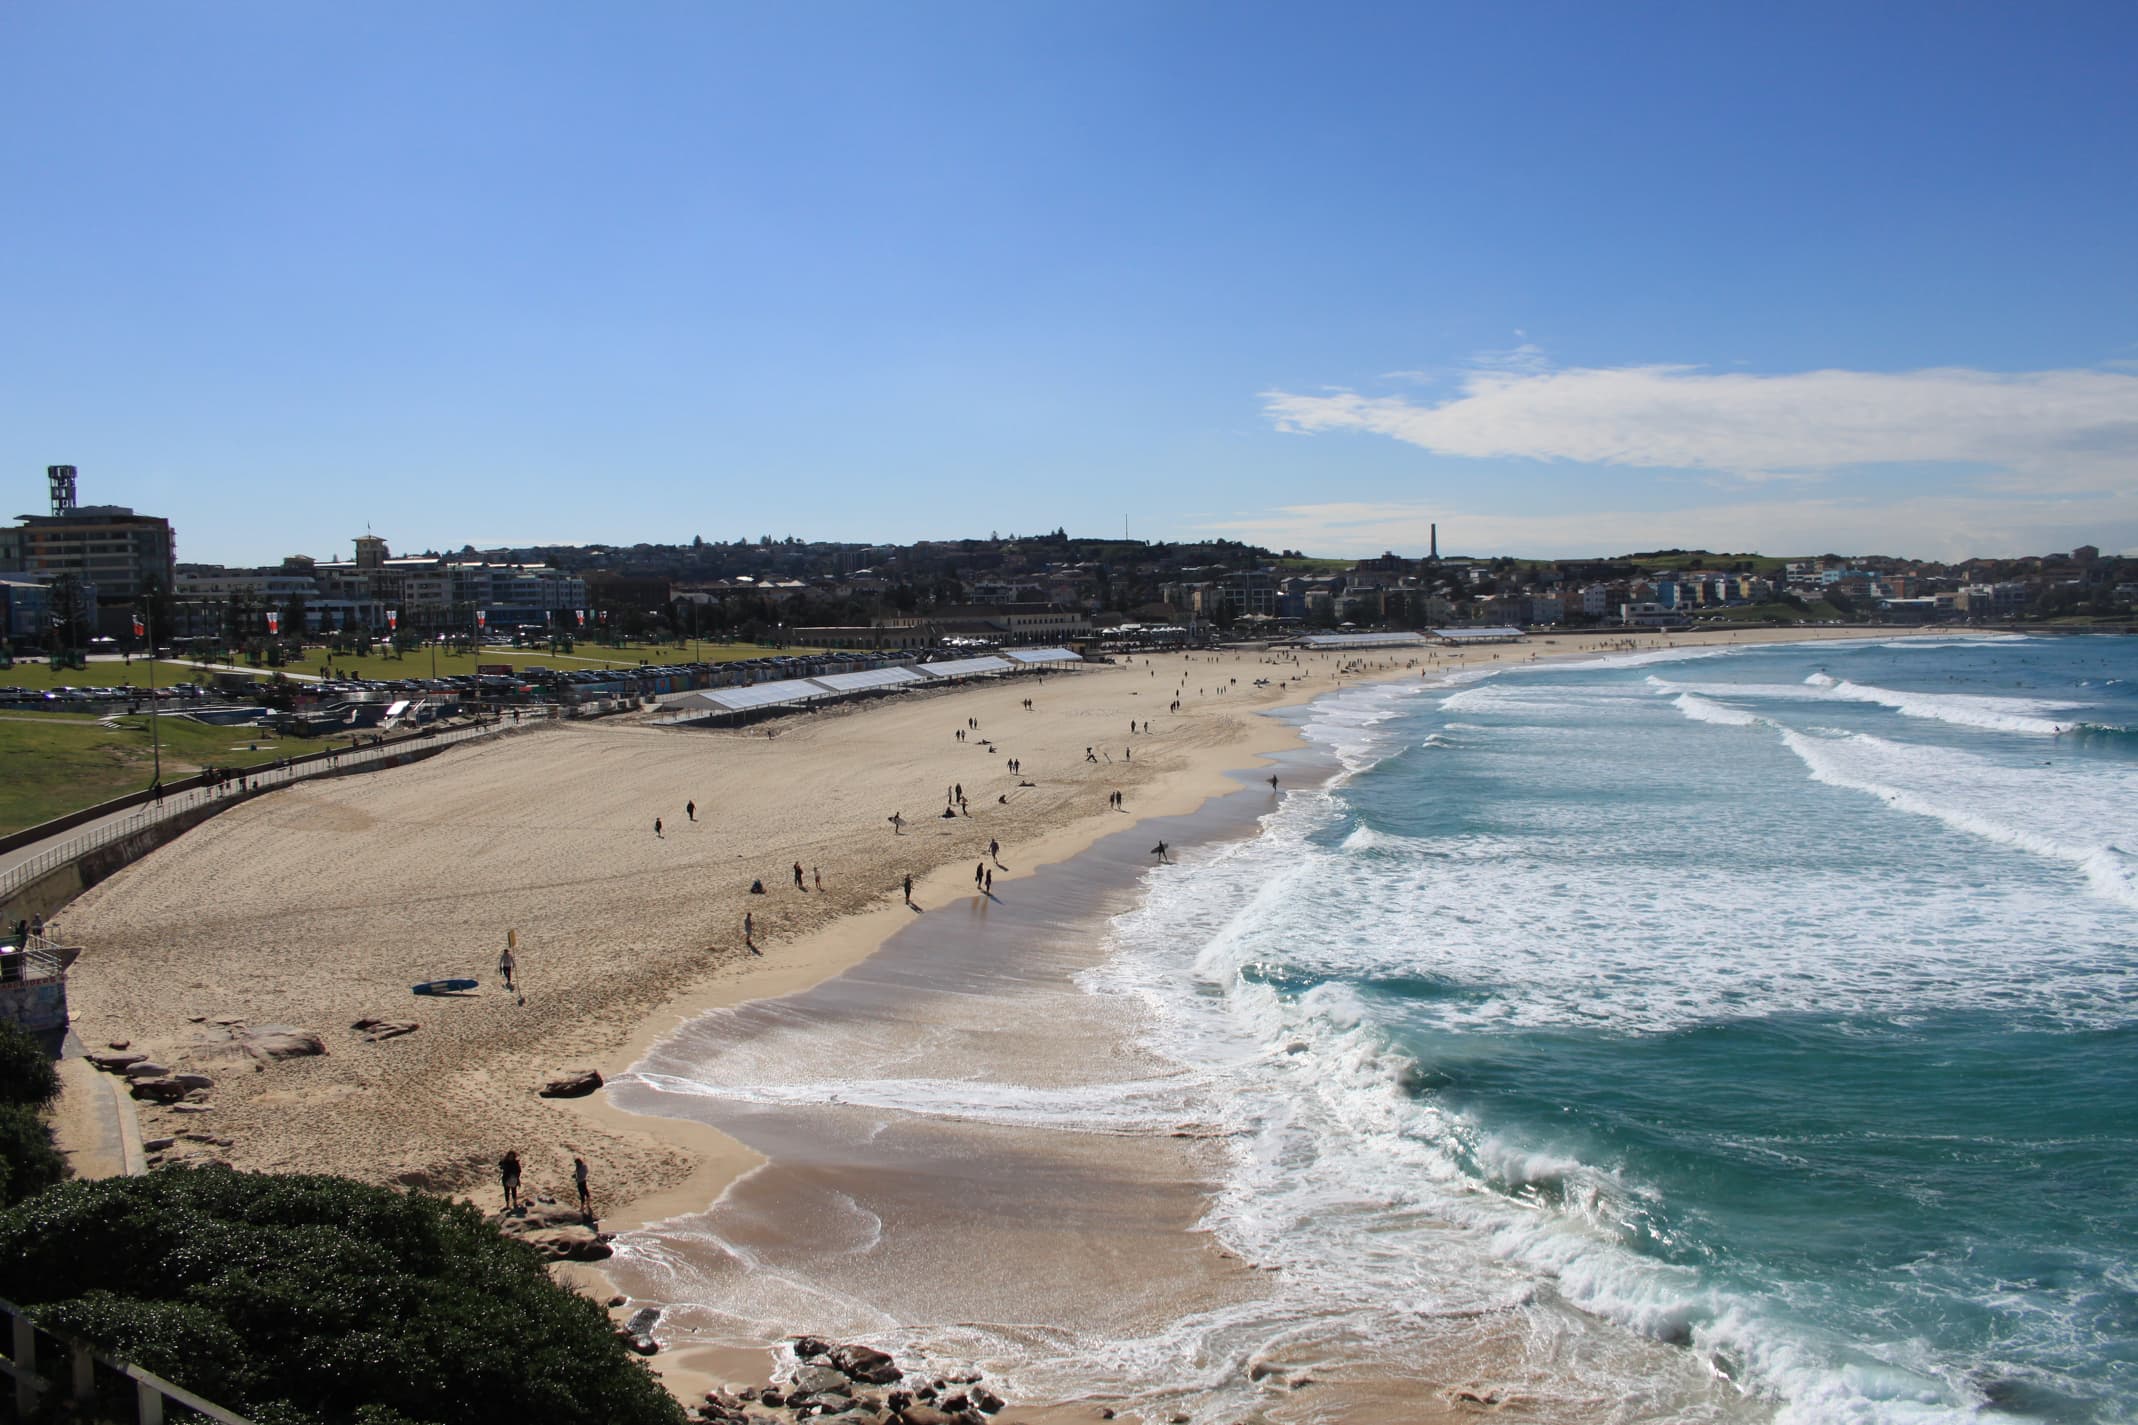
x=2074 y=429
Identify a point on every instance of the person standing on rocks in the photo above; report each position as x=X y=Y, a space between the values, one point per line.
x=586 y=1200
x=508 y=1175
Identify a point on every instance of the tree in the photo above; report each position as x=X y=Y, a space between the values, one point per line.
x=315 y=1300
x=70 y=613
x=28 y=1162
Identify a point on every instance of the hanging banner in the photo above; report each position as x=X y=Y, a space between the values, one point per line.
x=140 y=630
x=274 y=623
x=482 y=618
x=393 y=619
x=582 y=616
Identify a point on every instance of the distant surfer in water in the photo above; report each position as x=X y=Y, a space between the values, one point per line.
x=1159 y=851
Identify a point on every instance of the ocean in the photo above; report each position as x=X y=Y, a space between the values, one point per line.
x=1716 y=1035
x=1776 y=1004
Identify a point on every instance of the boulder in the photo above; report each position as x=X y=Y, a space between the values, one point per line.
x=159 y=1090
x=867 y=1364
x=568 y=1244
x=984 y=1400
x=642 y=1320
x=772 y=1397
x=192 y=1082
x=116 y=1063
x=192 y=1108
x=575 y=1083
x=144 y=1069
x=824 y=1402
x=814 y=1380
x=808 y=1348
x=157 y=1145
x=279 y=1041
x=118 y=1043
x=644 y=1345
x=923 y=1415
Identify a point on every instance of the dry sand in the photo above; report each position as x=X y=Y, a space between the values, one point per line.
x=322 y=904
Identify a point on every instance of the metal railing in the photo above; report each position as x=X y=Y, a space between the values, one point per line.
x=151 y=1392
x=172 y=804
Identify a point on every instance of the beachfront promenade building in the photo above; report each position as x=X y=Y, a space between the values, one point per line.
x=375 y=589
x=124 y=556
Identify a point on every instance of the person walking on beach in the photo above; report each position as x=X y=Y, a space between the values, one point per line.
x=1159 y=851
x=749 y=930
x=909 y=890
x=898 y=824
x=989 y=887
x=507 y=962
x=979 y=871
x=508 y=1176
x=798 y=877
x=690 y=810
x=586 y=1199
x=994 y=849
x=816 y=874
x=656 y=826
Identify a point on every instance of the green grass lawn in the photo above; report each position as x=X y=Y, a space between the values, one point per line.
x=62 y=762
x=39 y=676
x=417 y=663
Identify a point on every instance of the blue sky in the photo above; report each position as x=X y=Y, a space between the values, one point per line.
x=1564 y=278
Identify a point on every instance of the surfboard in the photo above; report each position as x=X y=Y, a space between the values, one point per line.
x=444 y=987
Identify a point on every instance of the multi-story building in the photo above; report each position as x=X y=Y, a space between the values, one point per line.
x=125 y=555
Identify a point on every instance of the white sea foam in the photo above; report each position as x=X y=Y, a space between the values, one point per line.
x=1996 y=714
x=1701 y=709
x=2085 y=819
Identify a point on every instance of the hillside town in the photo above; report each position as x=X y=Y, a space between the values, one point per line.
x=84 y=574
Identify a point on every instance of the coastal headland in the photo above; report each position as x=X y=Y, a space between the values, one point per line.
x=319 y=907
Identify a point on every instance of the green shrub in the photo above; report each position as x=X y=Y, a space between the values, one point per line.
x=28 y=1162
x=313 y=1300
x=26 y=1072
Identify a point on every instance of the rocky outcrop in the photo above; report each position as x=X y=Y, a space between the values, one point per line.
x=573 y=1083
x=374 y=1030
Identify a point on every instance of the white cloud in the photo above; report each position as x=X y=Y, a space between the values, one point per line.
x=2074 y=430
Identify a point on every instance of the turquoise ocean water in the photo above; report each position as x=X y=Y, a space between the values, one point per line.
x=1776 y=1004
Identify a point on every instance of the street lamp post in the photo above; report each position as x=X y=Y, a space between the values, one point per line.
x=155 y=723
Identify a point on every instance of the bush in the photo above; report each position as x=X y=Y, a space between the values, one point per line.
x=313 y=1300
x=28 y=1162
x=26 y=1072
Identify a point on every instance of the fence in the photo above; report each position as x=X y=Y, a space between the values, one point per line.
x=151 y=1393
x=22 y=873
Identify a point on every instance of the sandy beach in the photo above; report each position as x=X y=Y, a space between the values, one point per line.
x=321 y=905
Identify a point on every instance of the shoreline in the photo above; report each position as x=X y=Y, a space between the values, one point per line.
x=389 y=880
x=850 y=941
x=727 y=1163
